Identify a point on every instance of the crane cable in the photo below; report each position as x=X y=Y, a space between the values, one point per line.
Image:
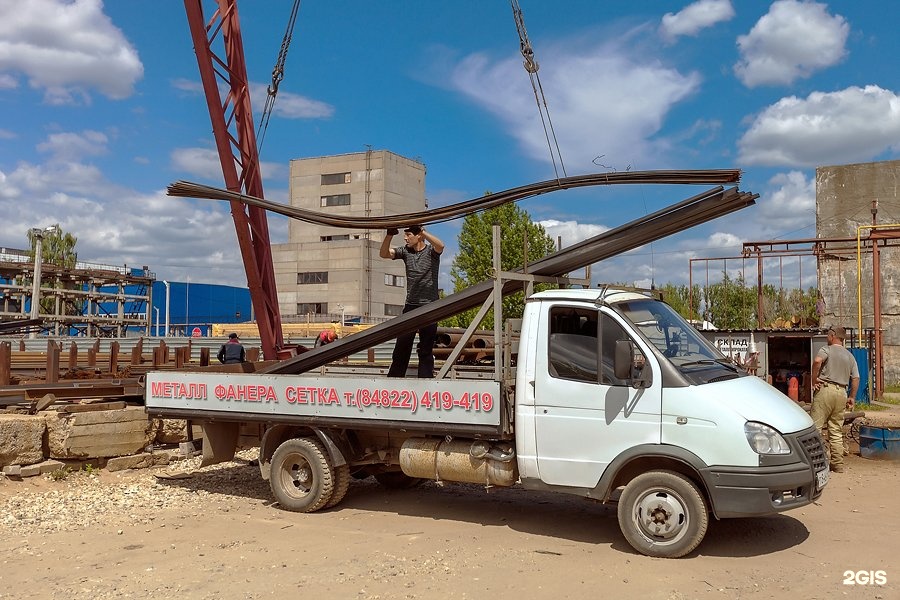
x=277 y=76
x=531 y=67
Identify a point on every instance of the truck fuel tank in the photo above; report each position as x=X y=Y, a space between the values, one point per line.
x=459 y=460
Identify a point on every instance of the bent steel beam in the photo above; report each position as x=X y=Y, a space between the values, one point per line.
x=453 y=211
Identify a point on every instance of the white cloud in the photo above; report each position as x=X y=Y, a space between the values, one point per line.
x=724 y=240
x=602 y=102
x=204 y=163
x=694 y=17
x=175 y=237
x=793 y=40
x=187 y=85
x=790 y=207
x=571 y=232
x=72 y=146
x=67 y=48
x=288 y=105
x=850 y=125
x=6 y=134
x=8 y=82
x=201 y=162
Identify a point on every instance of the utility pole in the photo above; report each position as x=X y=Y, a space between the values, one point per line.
x=38 y=235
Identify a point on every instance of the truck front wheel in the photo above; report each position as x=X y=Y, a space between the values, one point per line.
x=662 y=514
x=302 y=477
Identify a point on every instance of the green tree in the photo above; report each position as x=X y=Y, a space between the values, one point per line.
x=57 y=249
x=683 y=299
x=472 y=264
x=731 y=304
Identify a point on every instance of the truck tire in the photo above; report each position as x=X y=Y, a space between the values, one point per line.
x=663 y=514
x=397 y=480
x=341 y=485
x=302 y=477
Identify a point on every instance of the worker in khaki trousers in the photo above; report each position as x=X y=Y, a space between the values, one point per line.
x=834 y=368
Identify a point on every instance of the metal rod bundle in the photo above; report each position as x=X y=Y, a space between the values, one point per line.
x=683 y=215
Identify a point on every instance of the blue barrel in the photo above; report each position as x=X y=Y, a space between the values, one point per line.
x=879 y=442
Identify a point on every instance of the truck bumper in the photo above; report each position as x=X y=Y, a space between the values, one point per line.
x=772 y=488
x=746 y=494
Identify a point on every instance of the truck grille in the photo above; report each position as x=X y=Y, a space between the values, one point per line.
x=815 y=452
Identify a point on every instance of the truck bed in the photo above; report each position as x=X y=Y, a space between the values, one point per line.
x=347 y=397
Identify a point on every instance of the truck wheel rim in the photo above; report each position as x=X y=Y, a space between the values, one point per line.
x=296 y=476
x=661 y=516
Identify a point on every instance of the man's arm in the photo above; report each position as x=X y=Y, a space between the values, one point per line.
x=435 y=241
x=221 y=354
x=854 y=385
x=386 y=251
x=816 y=368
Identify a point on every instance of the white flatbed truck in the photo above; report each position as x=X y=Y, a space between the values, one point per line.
x=613 y=396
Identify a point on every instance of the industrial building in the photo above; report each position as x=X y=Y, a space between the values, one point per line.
x=862 y=202
x=326 y=273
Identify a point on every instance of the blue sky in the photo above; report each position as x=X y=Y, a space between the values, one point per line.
x=102 y=109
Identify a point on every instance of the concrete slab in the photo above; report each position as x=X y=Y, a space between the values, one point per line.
x=137 y=461
x=21 y=439
x=99 y=434
x=31 y=471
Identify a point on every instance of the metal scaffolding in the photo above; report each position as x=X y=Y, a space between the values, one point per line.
x=90 y=300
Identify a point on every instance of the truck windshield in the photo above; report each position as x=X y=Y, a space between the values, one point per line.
x=676 y=339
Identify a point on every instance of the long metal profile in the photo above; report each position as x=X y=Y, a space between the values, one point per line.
x=460 y=209
x=683 y=215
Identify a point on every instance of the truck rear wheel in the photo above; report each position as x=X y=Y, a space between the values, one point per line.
x=663 y=514
x=341 y=485
x=302 y=477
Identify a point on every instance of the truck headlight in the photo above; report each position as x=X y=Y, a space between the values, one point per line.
x=765 y=440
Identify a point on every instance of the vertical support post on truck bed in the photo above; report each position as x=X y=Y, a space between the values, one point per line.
x=498 y=304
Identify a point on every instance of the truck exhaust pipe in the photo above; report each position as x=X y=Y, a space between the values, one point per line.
x=459 y=460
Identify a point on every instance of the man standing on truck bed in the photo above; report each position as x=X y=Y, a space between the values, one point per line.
x=833 y=369
x=422 y=263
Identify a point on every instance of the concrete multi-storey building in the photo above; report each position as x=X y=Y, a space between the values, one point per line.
x=323 y=272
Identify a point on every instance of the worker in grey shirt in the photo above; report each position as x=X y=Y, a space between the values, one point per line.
x=422 y=262
x=834 y=368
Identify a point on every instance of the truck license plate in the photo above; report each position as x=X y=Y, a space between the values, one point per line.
x=821 y=479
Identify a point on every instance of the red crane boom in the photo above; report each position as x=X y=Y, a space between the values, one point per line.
x=238 y=155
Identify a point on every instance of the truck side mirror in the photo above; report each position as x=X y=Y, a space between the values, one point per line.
x=624 y=359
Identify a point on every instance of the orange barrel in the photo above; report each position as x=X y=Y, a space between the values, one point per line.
x=794 y=389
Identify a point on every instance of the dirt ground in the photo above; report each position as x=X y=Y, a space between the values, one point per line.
x=217 y=534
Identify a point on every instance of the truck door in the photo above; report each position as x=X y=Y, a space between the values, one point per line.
x=584 y=415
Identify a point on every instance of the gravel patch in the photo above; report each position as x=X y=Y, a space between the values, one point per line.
x=83 y=500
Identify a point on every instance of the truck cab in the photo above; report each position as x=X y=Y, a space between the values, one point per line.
x=619 y=397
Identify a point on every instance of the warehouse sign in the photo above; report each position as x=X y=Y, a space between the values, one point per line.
x=733 y=346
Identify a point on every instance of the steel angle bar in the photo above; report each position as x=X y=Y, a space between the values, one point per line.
x=683 y=215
